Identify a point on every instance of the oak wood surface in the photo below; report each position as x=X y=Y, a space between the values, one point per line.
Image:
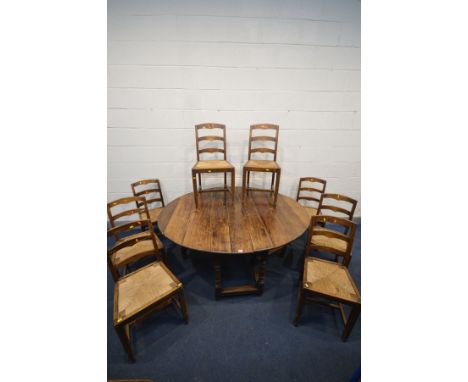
x=247 y=226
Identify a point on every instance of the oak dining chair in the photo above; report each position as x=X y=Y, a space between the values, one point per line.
x=151 y=190
x=323 y=281
x=310 y=190
x=262 y=165
x=144 y=292
x=204 y=166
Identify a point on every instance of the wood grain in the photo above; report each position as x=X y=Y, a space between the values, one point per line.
x=247 y=226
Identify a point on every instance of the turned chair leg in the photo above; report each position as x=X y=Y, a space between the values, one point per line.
x=125 y=340
x=260 y=279
x=299 y=304
x=217 y=271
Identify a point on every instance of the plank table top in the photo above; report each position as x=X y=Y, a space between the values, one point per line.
x=248 y=226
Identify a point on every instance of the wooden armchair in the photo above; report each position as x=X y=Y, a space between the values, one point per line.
x=212 y=165
x=311 y=190
x=151 y=190
x=141 y=293
x=324 y=280
x=262 y=165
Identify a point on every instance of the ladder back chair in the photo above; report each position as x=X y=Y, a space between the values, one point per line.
x=262 y=165
x=144 y=292
x=151 y=190
x=131 y=248
x=311 y=190
x=211 y=165
x=128 y=209
x=324 y=280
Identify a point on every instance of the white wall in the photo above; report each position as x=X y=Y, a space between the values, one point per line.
x=173 y=64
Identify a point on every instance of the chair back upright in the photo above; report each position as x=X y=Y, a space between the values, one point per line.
x=255 y=139
x=331 y=239
x=311 y=189
x=219 y=131
x=150 y=189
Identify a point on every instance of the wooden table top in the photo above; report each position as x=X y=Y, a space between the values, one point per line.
x=251 y=226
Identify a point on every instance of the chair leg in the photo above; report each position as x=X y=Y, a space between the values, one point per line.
x=194 y=184
x=125 y=340
x=353 y=316
x=244 y=176
x=272 y=181
x=199 y=182
x=299 y=304
x=248 y=182
x=277 y=187
x=183 y=304
x=233 y=185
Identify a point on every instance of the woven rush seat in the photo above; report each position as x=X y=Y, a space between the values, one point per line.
x=153 y=214
x=142 y=288
x=262 y=164
x=331 y=279
x=133 y=253
x=212 y=165
x=329 y=242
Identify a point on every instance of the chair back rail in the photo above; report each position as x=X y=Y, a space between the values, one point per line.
x=309 y=187
x=347 y=209
x=253 y=139
x=210 y=138
x=152 y=194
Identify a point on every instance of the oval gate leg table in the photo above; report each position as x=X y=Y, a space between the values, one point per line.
x=246 y=227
